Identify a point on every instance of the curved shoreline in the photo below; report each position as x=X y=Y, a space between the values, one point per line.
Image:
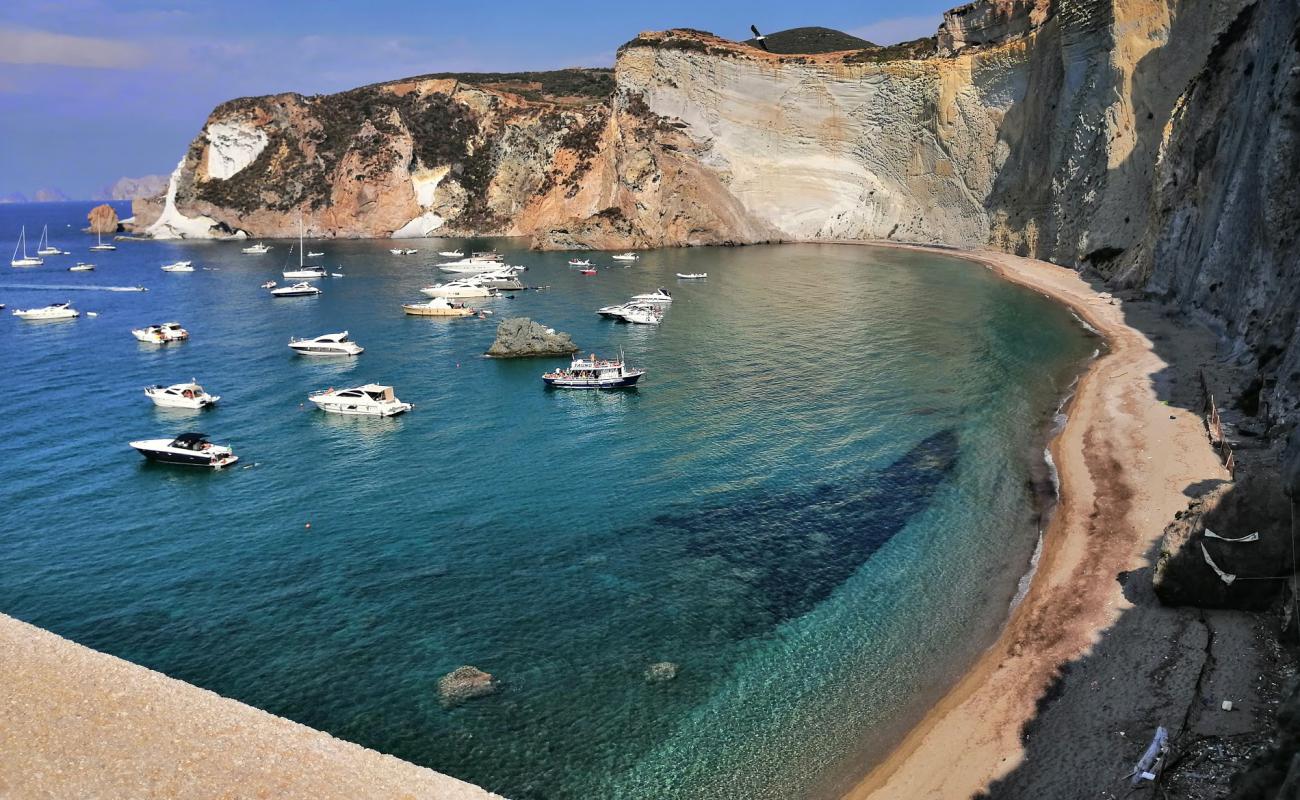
x=1119 y=487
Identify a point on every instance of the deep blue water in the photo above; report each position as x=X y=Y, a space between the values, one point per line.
x=816 y=504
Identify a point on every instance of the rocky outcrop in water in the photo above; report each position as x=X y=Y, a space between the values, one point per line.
x=465 y=683
x=103 y=219
x=520 y=337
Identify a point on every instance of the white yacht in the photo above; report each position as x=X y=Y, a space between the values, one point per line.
x=437 y=307
x=256 y=249
x=505 y=278
x=301 y=289
x=629 y=256
x=692 y=276
x=303 y=270
x=188 y=449
x=594 y=373
x=81 y=266
x=181 y=395
x=161 y=334
x=580 y=262
x=56 y=311
x=451 y=254
x=463 y=287
x=659 y=296
x=179 y=266
x=44 y=248
x=26 y=260
x=476 y=262
x=397 y=251
x=372 y=400
x=99 y=246
x=643 y=315
x=329 y=344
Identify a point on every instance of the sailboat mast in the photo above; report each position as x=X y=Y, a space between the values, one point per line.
x=22 y=236
x=300 y=240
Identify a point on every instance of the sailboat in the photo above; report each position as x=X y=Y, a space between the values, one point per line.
x=26 y=260
x=101 y=246
x=303 y=271
x=43 y=248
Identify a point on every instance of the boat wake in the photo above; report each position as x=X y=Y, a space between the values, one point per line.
x=75 y=288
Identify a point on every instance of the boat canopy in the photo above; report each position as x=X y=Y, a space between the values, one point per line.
x=380 y=393
x=190 y=441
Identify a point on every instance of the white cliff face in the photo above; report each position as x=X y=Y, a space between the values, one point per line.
x=425 y=185
x=232 y=146
x=172 y=224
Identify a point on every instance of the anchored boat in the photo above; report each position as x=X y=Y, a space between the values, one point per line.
x=594 y=373
x=188 y=449
x=371 y=400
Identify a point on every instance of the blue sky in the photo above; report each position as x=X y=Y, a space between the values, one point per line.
x=91 y=90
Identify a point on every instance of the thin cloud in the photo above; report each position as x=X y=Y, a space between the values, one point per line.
x=899 y=29
x=27 y=46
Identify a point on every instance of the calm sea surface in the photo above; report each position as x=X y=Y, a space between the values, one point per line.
x=816 y=505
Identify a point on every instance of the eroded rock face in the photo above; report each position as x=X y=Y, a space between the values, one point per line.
x=465 y=683
x=103 y=219
x=520 y=337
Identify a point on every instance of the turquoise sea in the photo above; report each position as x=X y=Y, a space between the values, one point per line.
x=818 y=504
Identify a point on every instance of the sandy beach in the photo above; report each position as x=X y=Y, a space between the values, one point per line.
x=1126 y=459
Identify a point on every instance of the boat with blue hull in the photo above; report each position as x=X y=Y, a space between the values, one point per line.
x=594 y=373
x=188 y=450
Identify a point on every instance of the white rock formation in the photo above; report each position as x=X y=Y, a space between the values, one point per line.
x=172 y=224
x=232 y=146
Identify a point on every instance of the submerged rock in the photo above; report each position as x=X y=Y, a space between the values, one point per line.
x=465 y=683
x=662 y=672
x=520 y=337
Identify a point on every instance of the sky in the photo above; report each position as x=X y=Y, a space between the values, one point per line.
x=91 y=90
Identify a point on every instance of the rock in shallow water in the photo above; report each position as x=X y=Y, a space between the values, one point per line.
x=661 y=672
x=465 y=683
x=520 y=337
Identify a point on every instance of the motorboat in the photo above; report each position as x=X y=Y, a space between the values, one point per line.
x=179 y=266
x=300 y=289
x=397 y=251
x=44 y=248
x=437 y=307
x=643 y=315
x=477 y=262
x=181 y=395
x=692 y=276
x=587 y=271
x=26 y=260
x=464 y=287
x=256 y=249
x=580 y=262
x=56 y=311
x=81 y=266
x=659 y=296
x=99 y=246
x=161 y=334
x=451 y=254
x=594 y=373
x=304 y=270
x=315 y=255
x=188 y=449
x=613 y=312
x=506 y=278
x=269 y=285
x=329 y=344
x=371 y=400
x=629 y=256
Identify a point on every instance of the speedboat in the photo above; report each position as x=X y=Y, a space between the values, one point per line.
x=161 y=334
x=301 y=289
x=56 y=311
x=329 y=344
x=464 y=287
x=594 y=373
x=188 y=449
x=397 y=251
x=371 y=400
x=315 y=255
x=504 y=278
x=580 y=262
x=269 y=285
x=26 y=260
x=437 y=307
x=179 y=266
x=81 y=266
x=659 y=296
x=305 y=272
x=451 y=254
x=629 y=256
x=692 y=276
x=477 y=262
x=587 y=271
x=256 y=249
x=643 y=315
x=181 y=395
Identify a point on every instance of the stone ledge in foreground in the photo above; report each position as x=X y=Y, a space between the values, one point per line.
x=75 y=722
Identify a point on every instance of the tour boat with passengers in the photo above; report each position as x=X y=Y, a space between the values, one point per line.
x=188 y=449
x=594 y=373
x=371 y=400
x=329 y=344
x=181 y=395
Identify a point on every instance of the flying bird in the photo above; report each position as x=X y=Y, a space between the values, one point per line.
x=758 y=37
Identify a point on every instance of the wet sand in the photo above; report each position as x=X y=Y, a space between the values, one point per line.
x=1125 y=459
